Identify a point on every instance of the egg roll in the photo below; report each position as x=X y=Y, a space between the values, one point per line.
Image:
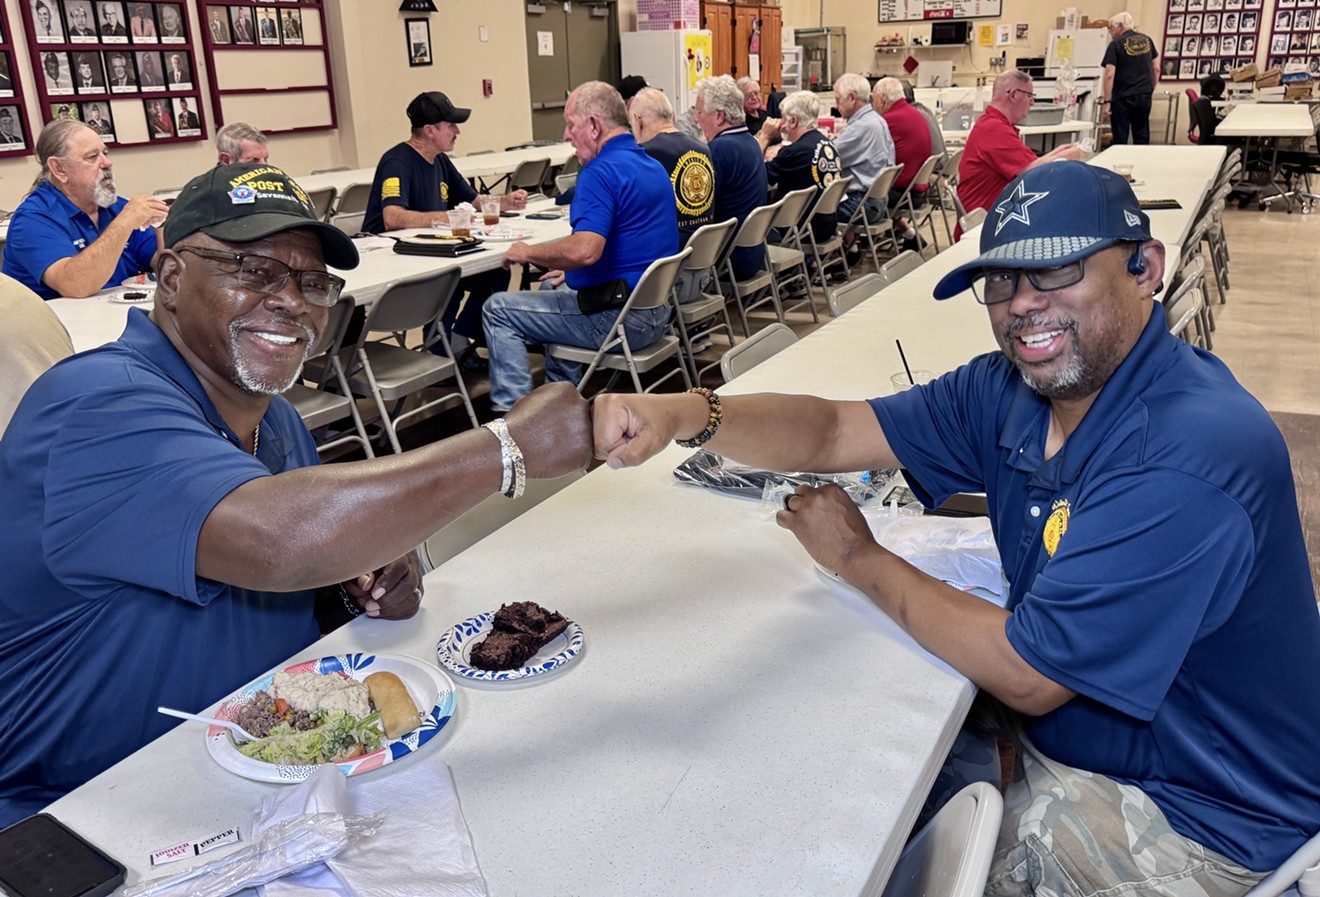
x=398 y=714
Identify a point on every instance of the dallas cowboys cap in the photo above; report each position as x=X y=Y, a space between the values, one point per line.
x=245 y=202
x=1052 y=215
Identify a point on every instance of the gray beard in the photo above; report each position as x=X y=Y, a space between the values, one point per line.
x=105 y=193
x=248 y=381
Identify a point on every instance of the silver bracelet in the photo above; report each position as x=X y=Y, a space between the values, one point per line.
x=514 y=481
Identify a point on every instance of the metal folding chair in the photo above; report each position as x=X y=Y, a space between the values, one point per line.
x=828 y=252
x=754 y=231
x=901 y=264
x=710 y=246
x=790 y=254
x=316 y=405
x=752 y=351
x=872 y=231
x=854 y=293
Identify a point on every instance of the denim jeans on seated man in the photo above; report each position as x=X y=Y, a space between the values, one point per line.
x=551 y=315
x=875 y=208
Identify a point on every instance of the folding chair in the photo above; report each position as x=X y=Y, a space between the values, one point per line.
x=790 y=253
x=350 y=224
x=319 y=407
x=754 y=230
x=1183 y=309
x=1191 y=275
x=565 y=182
x=392 y=373
x=710 y=246
x=945 y=183
x=901 y=264
x=829 y=251
x=752 y=351
x=971 y=220
x=353 y=199
x=528 y=175
x=921 y=216
x=854 y=293
x=871 y=232
x=951 y=856
x=323 y=201
x=652 y=291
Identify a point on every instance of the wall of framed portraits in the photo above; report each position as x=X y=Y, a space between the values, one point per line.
x=1295 y=36
x=15 y=137
x=269 y=57
x=1203 y=37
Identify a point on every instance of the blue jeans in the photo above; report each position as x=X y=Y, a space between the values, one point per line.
x=513 y=319
x=875 y=209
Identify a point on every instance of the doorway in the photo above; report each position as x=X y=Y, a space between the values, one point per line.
x=568 y=43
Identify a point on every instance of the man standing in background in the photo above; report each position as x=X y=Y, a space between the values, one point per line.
x=1130 y=73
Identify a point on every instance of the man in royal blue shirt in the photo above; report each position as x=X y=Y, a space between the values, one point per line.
x=740 y=180
x=623 y=218
x=166 y=524
x=73 y=235
x=1161 y=642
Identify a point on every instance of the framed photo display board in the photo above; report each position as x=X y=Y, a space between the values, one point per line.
x=1295 y=37
x=1209 y=37
x=269 y=64
x=102 y=62
x=15 y=133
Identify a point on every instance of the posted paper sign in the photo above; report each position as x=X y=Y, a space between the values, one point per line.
x=1003 y=35
x=1063 y=48
x=985 y=35
x=697 y=48
x=545 y=43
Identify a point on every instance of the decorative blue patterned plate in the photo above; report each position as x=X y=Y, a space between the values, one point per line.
x=428 y=687
x=455 y=647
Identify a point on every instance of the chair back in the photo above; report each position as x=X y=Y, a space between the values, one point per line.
x=755 y=349
x=336 y=325
x=884 y=182
x=904 y=263
x=793 y=208
x=331 y=170
x=971 y=219
x=756 y=225
x=1182 y=310
x=828 y=201
x=163 y=190
x=350 y=224
x=925 y=172
x=652 y=290
x=413 y=302
x=854 y=293
x=528 y=175
x=571 y=165
x=710 y=243
x=565 y=182
x=354 y=199
x=949 y=170
x=323 y=200
x=951 y=856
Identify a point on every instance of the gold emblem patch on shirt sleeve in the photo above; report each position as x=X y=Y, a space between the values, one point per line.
x=1056 y=526
x=389 y=188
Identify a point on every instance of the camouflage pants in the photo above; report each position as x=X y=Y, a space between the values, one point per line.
x=1071 y=833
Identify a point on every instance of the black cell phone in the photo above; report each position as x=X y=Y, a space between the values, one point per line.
x=42 y=856
x=509 y=214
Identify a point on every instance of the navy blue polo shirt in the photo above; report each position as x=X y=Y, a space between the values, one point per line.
x=692 y=176
x=624 y=195
x=47 y=227
x=1157 y=568
x=405 y=179
x=111 y=464
x=740 y=186
x=809 y=161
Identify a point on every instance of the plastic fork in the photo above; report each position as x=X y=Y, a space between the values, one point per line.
x=238 y=730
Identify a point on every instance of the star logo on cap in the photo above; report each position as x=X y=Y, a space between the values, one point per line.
x=1015 y=207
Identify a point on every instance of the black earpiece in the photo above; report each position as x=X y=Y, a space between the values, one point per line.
x=1137 y=264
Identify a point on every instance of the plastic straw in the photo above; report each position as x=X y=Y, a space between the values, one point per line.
x=907 y=369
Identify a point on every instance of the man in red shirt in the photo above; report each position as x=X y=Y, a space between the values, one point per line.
x=995 y=153
x=911 y=148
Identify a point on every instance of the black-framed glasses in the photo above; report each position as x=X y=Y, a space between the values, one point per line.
x=1030 y=93
x=267 y=275
x=996 y=285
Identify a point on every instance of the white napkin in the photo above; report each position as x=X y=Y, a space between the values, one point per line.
x=421 y=848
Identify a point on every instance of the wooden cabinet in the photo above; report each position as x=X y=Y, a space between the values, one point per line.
x=717 y=18
x=772 y=27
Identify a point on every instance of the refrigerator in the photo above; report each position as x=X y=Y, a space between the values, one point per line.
x=672 y=61
x=1087 y=48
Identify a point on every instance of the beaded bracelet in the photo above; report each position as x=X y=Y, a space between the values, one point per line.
x=712 y=423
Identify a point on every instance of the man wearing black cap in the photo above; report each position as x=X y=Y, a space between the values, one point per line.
x=415 y=185
x=166 y=526
x=629 y=87
x=1160 y=599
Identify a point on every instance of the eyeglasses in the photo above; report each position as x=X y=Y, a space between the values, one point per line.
x=267 y=275
x=998 y=285
x=1029 y=93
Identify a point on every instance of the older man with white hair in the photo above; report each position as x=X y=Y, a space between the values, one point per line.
x=753 y=114
x=808 y=159
x=865 y=146
x=241 y=142
x=73 y=234
x=740 y=181
x=1130 y=75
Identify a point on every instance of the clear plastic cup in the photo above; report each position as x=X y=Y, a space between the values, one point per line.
x=1124 y=170
x=901 y=382
x=460 y=222
x=490 y=211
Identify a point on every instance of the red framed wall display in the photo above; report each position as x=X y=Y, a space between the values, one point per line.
x=1209 y=37
x=15 y=136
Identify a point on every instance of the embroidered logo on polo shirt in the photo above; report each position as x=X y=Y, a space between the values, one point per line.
x=242 y=194
x=444 y=191
x=389 y=188
x=825 y=167
x=1016 y=207
x=693 y=178
x=1056 y=526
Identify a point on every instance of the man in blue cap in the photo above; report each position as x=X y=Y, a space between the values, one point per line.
x=167 y=528
x=1160 y=596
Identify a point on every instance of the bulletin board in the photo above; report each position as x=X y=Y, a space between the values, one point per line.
x=925 y=10
x=1209 y=37
x=1295 y=36
x=270 y=64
